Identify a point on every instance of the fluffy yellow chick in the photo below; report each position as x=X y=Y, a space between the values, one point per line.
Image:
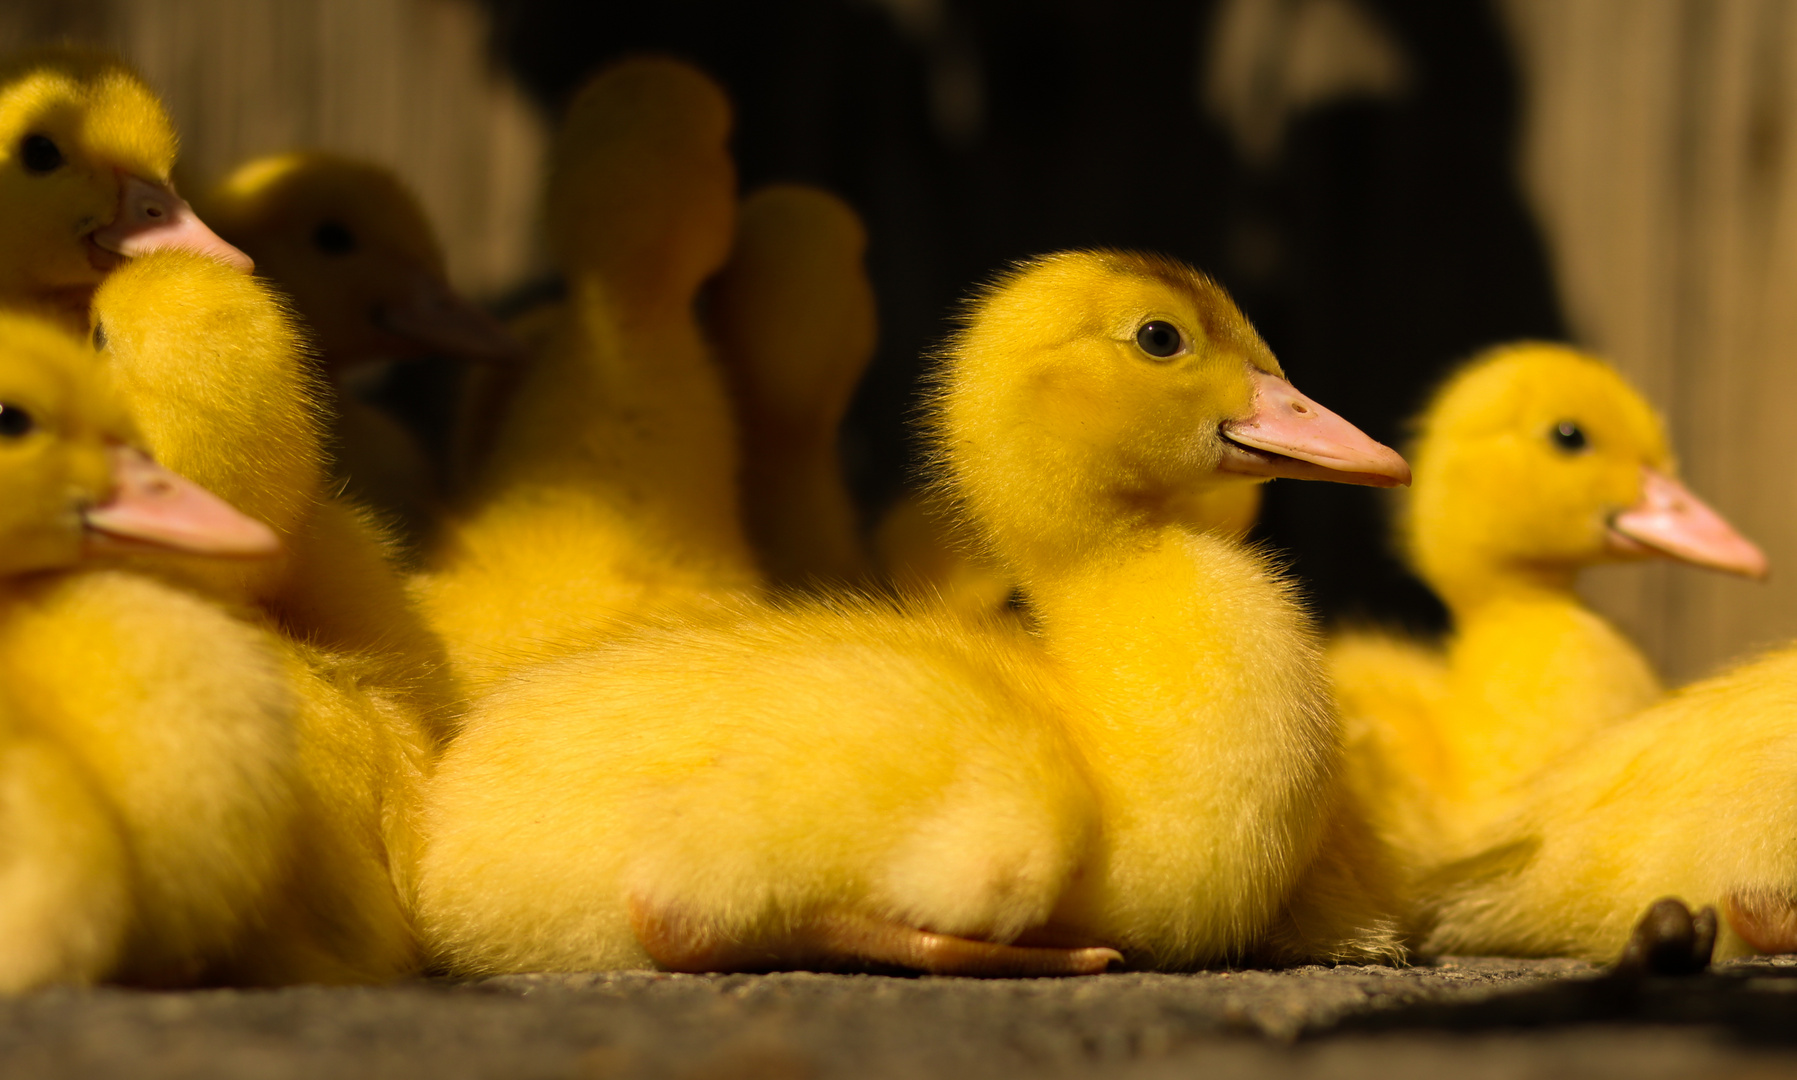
x=215 y=368
x=1532 y=462
x=793 y=318
x=1690 y=799
x=144 y=734
x=1151 y=778
x=612 y=482
x=85 y=155
x=348 y=241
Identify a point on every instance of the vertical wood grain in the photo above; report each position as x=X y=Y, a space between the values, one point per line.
x=1655 y=152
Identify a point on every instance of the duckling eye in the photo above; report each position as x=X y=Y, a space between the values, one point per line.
x=333 y=238
x=40 y=154
x=15 y=423
x=1159 y=339
x=99 y=337
x=1568 y=437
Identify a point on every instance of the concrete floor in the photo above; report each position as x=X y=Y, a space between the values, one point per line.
x=1465 y=1019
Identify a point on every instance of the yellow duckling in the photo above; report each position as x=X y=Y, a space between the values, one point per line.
x=793 y=317
x=1533 y=462
x=840 y=783
x=217 y=373
x=1690 y=799
x=144 y=734
x=612 y=482
x=351 y=245
x=85 y=155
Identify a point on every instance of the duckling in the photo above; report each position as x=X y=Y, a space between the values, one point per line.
x=144 y=733
x=85 y=155
x=1150 y=778
x=1532 y=462
x=349 y=243
x=216 y=369
x=611 y=484
x=1689 y=799
x=793 y=317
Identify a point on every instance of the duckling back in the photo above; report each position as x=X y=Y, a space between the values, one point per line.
x=1689 y=799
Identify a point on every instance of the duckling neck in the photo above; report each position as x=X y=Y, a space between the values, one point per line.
x=1532 y=672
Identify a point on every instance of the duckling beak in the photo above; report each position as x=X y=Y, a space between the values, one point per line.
x=434 y=315
x=151 y=217
x=1669 y=520
x=155 y=509
x=1290 y=435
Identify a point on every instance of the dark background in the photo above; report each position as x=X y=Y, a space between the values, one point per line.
x=1385 y=241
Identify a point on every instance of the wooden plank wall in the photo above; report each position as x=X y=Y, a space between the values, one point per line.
x=408 y=83
x=1657 y=151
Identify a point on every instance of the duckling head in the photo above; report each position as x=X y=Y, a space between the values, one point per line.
x=351 y=245
x=238 y=400
x=1536 y=460
x=75 y=481
x=1096 y=391
x=85 y=156
x=642 y=188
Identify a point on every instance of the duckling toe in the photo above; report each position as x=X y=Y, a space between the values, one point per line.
x=1670 y=940
x=1764 y=919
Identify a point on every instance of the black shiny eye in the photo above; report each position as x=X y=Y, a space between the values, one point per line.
x=15 y=423
x=1568 y=436
x=99 y=337
x=40 y=154
x=333 y=238
x=1159 y=339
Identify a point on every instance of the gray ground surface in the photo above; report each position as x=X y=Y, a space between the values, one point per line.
x=1465 y=1019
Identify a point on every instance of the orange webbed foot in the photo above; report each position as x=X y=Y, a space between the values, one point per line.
x=836 y=940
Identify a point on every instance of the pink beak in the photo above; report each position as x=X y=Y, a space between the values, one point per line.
x=1671 y=521
x=152 y=217
x=153 y=508
x=1290 y=435
x=437 y=317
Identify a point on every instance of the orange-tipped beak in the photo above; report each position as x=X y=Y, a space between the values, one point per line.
x=1290 y=435
x=437 y=317
x=152 y=217
x=1671 y=521
x=155 y=509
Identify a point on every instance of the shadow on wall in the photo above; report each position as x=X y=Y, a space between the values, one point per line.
x=1343 y=166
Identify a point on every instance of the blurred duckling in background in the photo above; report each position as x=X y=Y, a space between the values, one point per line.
x=1151 y=779
x=1691 y=799
x=349 y=243
x=612 y=481
x=144 y=734
x=792 y=315
x=85 y=155
x=1532 y=463
x=216 y=370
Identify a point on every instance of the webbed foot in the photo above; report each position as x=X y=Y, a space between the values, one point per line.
x=834 y=941
x=1764 y=919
